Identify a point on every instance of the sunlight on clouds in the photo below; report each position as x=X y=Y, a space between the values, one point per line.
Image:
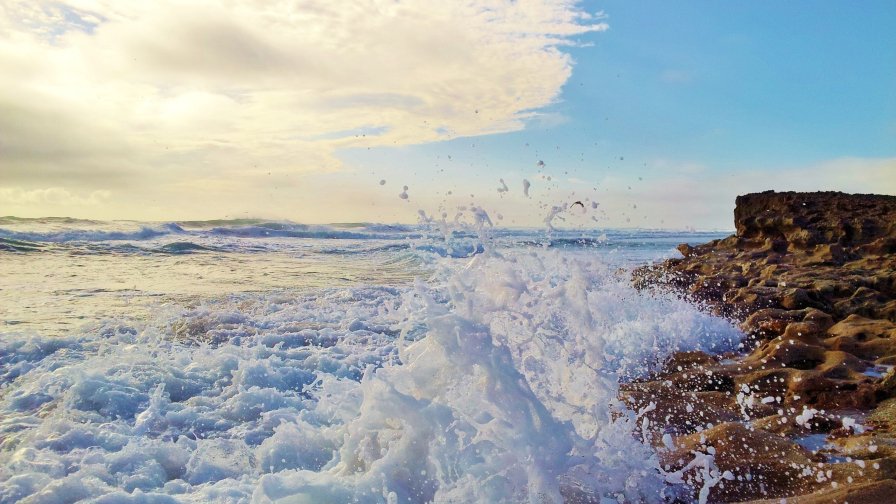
x=114 y=93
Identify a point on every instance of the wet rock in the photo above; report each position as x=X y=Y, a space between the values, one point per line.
x=787 y=424
x=823 y=320
x=883 y=418
x=685 y=249
x=769 y=321
x=762 y=463
x=683 y=361
x=812 y=278
x=806 y=331
x=681 y=413
x=887 y=388
x=863 y=329
x=875 y=492
x=790 y=353
x=797 y=299
x=863 y=347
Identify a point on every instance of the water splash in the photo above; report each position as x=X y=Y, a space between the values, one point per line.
x=495 y=379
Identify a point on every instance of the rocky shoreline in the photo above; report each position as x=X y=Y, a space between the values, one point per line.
x=807 y=411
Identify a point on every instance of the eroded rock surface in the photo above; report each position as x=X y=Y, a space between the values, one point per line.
x=808 y=408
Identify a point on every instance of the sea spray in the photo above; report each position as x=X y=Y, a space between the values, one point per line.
x=511 y=394
x=493 y=378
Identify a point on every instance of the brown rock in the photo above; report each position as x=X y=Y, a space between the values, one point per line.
x=770 y=322
x=797 y=299
x=683 y=361
x=806 y=219
x=762 y=463
x=842 y=365
x=812 y=277
x=888 y=311
x=678 y=412
x=882 y=246
x=786 y=425
x=887 y=388
x=861 y=329
x=685 y=249
x=826 y=253
x=822 y=319
x=863 y=348
x=875 y=492
x=789 y=353
x=883 y=418
x=805 y=331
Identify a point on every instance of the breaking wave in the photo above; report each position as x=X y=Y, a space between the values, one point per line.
x=493 y=380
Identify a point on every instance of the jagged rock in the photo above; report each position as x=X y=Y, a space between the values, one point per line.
x=812 y=279
x=807 y=219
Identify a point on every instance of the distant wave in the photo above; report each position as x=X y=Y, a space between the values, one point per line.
x=283 y=230
x=219 y=222
x=371 y=227
x=365 y=250
x=183 y=247
x=375 y=227
x=583 y=242
x=65 y=230
x=74 y=235
x=101 y=248
x=456 y=251
x=243 y=228
x=9 y=245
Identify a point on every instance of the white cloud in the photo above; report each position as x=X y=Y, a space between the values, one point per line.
x=132 y=94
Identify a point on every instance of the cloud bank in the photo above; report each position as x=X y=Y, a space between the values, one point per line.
x=122 y=95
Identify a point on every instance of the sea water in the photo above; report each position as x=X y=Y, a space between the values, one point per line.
x=258 y=361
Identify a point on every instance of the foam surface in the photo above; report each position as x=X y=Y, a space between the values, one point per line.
x=492 y=378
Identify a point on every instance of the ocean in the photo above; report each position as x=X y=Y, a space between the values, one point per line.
x=260 y=361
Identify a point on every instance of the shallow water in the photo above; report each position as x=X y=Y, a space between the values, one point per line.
x=248 y=360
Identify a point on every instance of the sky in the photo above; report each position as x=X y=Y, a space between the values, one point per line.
x=660 y=113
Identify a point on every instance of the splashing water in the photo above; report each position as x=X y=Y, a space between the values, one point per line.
x=492 y=378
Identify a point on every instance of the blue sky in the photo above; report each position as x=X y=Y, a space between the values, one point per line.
x=758 y=90
x=660 y=112
x=741 y=84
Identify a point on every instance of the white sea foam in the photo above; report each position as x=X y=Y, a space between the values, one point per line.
x=494 y=380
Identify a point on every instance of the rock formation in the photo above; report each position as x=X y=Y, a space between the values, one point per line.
x=811 y=279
